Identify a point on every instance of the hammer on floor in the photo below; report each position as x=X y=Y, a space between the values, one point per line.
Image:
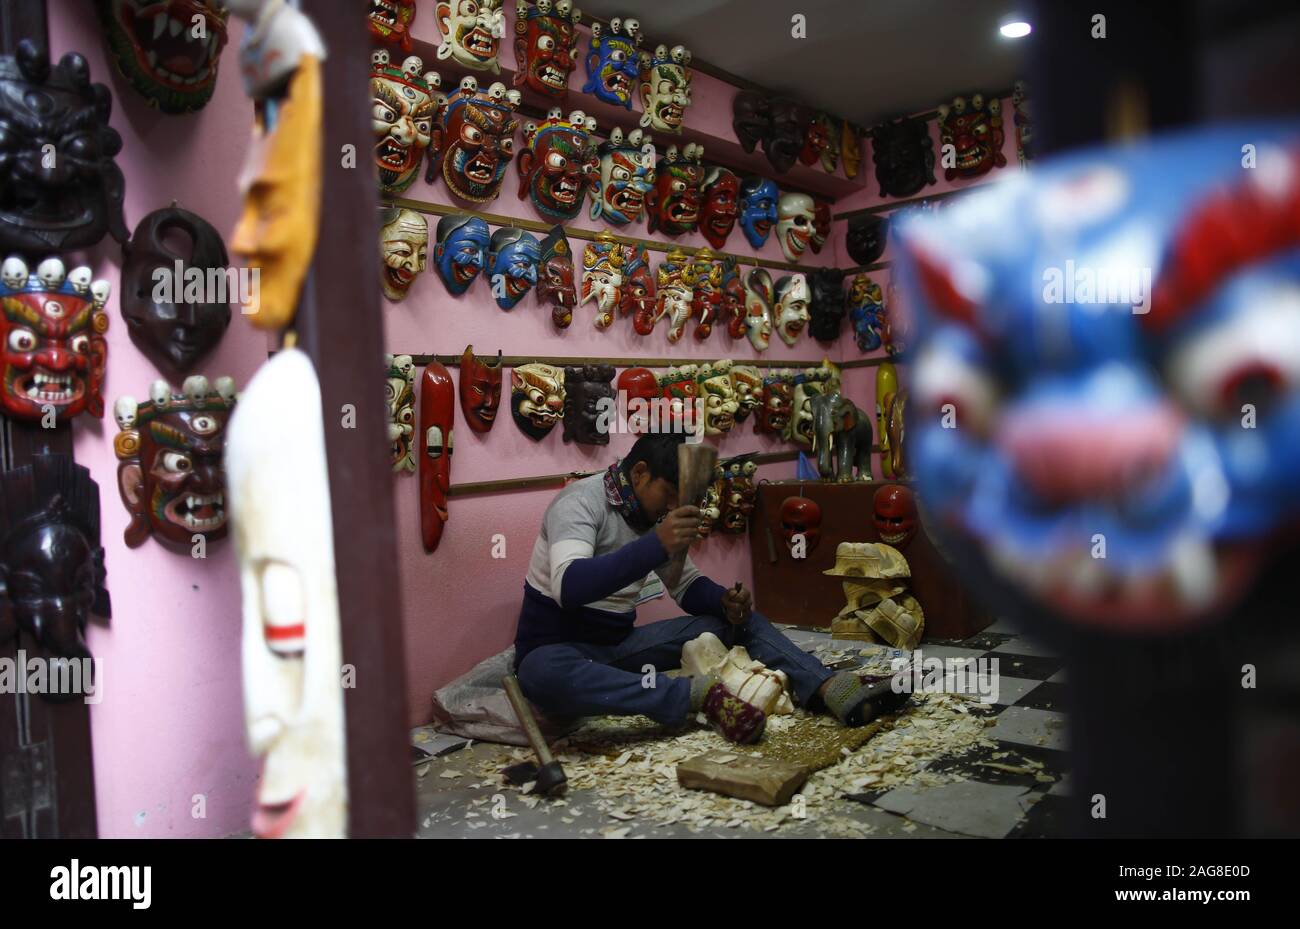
x=550 y=779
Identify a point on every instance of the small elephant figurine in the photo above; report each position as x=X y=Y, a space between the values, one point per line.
x=841 y=438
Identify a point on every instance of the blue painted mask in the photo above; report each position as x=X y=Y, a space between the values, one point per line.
x=1110 y=344
x=512 y=265
x=866 y=306
x=758 y=197
x=614 y=62
x=461 y=250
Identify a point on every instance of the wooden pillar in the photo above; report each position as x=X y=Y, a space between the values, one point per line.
x=340 y=325
x=47 y=777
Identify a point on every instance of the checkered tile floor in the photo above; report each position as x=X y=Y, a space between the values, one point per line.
x=991 y=800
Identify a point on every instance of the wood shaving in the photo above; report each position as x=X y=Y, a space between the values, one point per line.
x=629 y=766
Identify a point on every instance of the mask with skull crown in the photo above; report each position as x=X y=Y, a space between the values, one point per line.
x=546 y=45
x=558 y=163
x=675 y=203
x=627 y=175
x=472 y=31
x=665 y=87
x=478 y=127
x=974 y=130
x=52 y=347
x=406 y=104
x=613 y=61
x=171 y=473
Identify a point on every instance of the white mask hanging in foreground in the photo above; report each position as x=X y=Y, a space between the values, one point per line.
x=284 y=537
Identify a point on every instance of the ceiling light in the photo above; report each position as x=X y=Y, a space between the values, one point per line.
x=1016 y=30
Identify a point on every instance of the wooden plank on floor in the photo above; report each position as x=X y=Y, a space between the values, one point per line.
x=762 y=780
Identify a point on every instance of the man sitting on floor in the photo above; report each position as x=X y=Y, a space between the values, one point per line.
x=577 y=652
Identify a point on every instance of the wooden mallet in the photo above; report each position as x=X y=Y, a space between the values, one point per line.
x=695 y=464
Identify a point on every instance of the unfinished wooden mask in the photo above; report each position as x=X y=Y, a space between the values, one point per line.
x=750 y=680
x=284 y=538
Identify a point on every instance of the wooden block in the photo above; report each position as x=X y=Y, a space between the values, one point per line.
x=762 y=780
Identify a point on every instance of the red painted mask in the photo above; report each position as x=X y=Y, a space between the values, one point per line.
x=675 y=204
x=799 y=515
x=390 y=22
x=555 y=277
x=738 y=493
x=895 y=515
x=815 y=142
x=546 y=39
x=171 y=475
x=436 y=420
x=975 y=132
x=706 y=303
x=821 y=225
x=480 y=390
x=774 y=412
x=636 y=384
x=638 y=294
x=733 y=298
x=52 y=347
x=721 y=205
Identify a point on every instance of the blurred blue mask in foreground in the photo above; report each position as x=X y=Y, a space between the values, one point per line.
x=1106 y=394
x=512 y=268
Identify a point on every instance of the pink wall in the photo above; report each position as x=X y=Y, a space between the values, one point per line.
x=460 y=603
x=171 y=722
x=171 y=726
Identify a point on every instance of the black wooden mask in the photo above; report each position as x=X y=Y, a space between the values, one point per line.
x=904 y=156
x=789 y=128
x=59 y=186
x=827 y=303
x=866 y=238
x=51 y=562
x=174 y=332
x=588 y=408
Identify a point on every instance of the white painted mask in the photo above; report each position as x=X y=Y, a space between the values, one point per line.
x=284 y=538
x=792 y=298
x=794 y=224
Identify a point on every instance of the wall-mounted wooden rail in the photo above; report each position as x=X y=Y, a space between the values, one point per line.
x=510 y=361
x=533 y=482
x=533 y=225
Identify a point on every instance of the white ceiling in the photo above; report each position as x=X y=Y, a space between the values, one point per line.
x=862 y=59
